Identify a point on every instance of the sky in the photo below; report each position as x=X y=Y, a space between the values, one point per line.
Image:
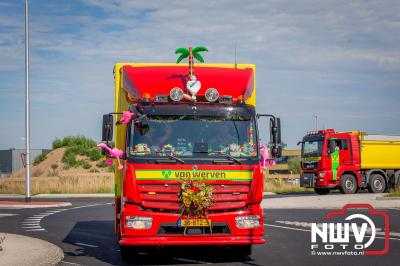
x=338 y=60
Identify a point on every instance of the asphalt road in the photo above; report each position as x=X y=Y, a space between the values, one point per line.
x=85 y=233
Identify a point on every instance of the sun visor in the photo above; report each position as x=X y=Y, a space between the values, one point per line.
x=156 y=80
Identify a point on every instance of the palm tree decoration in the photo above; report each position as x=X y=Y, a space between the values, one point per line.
x=191 y=53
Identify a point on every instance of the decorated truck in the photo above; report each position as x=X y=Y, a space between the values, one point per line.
x=349 y=161
x=189 y=168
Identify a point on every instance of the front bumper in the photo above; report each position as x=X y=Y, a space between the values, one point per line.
x=155 y=236
x=307 y=180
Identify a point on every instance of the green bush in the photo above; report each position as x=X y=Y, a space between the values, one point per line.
x=111 y=168
x=94 y=154
x=101 y=164
x=85 y=164
x=69 y=141
x=57 y=143
x=69 y=159
x=40 y=158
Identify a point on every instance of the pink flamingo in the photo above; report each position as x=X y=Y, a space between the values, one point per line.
x=115 y=153
x=266 y=159
x=127 y=117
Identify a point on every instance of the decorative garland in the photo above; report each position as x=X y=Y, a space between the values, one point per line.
x=196 y=197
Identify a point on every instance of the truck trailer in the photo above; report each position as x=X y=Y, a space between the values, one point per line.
x=349 y=161
x=210 y=137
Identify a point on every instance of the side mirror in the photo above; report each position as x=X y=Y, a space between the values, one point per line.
x=275 y=136
x=107 y=130
x=298 y=143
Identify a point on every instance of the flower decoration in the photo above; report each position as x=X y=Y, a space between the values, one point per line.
x=196 y=197
x=167 y=148
x=141 y=149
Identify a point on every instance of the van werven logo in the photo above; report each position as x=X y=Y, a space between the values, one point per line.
x=349 y=237
x=166 y=173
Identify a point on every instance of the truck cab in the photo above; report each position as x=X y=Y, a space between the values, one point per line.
x=212 y=137
x=349 y=161
x=326 y=156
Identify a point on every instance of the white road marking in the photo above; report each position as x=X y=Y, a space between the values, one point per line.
x=308 y=230
x=31 y=227
x=35 y=220
x=86 y=245
x=71 y=263
x=34 y=230
x=7 y=214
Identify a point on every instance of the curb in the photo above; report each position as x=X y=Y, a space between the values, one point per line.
x=268 y=193
x=38 y=196
x=23 y=250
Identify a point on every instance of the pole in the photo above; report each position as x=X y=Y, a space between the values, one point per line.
x=27 y=122
x=316 y=121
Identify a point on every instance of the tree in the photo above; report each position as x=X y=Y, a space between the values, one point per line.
x=191 y=53
x=294 y=165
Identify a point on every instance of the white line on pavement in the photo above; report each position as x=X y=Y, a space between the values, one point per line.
x=86 y=245
x=34 y=230
x=7 y=214
x=71 y=263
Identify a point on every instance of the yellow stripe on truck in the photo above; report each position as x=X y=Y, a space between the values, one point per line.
x=202 y=174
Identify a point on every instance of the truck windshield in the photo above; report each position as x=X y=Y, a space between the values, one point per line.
x=312 y=148
x=193 y=136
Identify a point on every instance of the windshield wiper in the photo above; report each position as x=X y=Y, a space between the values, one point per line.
x=231 y=158
x=175 y=158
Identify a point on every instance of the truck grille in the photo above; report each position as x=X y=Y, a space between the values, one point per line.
x=165 y=197
x=173 y=229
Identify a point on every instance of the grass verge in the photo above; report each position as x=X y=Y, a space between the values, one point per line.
x=59 y=185
x=277 y=186
x=395 y=192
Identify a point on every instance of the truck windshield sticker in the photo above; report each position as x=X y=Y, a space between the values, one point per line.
x=335 y=163
x=204 y=174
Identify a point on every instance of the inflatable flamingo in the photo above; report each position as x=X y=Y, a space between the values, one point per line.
x=115 y=153
x=127 y=117
x=266 y=159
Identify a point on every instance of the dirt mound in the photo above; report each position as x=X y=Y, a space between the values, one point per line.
x=54 y=166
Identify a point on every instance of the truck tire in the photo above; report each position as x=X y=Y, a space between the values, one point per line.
x=322 y=191
x=348 y=184
x=377 y=184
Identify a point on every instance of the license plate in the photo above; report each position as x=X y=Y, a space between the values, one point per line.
x=194 y=222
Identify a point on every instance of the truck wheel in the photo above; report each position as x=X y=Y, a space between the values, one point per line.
x=377 y=184
x=348 y=184
x=322 y=191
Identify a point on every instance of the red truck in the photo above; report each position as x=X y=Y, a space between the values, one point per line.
x=211 y=136
x=349 y=161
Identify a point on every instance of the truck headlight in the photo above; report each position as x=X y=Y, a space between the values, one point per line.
x=138 y=222
x=248 y=222
x=321 y=174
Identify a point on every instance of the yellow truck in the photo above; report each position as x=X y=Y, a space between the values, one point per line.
x=349 y=161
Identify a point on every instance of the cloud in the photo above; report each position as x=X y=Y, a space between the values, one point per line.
x=336 y=58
